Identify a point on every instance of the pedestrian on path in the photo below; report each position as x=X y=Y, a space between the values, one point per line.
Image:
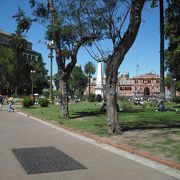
x=10 y=102
x=1 y=101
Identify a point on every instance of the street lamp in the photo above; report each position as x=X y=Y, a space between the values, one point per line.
x=50 y=46
x=32 y=78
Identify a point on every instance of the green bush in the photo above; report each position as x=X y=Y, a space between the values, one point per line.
x=124 y=104
x=27 y=102
x=44 y=102
x=92 y=97
x=177 y=99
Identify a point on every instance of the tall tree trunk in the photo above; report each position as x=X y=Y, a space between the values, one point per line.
x=64 y=99
x=115 y=60
x=161 y=10
x=63 y=86
x=16 y=75
x=112 y=116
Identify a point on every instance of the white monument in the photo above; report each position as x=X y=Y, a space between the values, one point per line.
x=99 y=78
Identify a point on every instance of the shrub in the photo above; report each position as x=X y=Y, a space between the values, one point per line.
x=27 y=102
x=98 y=98
x=124 y=104
x=92 y=97
x=177 y=99
x=44 y=102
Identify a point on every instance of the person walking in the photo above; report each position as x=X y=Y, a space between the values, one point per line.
x=1 y=102
x=10 y=102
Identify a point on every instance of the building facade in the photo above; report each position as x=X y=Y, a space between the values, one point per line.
x=143 y=85
x=31 y=57
x=28 y=53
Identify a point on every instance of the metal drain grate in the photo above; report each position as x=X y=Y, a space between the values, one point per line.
x=45 y=160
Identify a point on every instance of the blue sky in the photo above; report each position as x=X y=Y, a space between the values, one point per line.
x=144 y=52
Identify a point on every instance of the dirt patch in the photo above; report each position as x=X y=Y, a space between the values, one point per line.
x=164 y=143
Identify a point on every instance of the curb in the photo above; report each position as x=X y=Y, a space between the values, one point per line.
x=108 y=141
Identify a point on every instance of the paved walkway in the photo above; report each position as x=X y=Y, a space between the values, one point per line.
x=102 y=161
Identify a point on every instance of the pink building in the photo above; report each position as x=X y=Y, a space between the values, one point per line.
x=142 y=85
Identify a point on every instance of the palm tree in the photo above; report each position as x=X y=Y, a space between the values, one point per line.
x=18 y=44
x=89 y=69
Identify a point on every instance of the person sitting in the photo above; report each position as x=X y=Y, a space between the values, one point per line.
x=161 y=106
x=103 y=107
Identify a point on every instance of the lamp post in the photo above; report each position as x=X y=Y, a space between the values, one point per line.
x=32 y=79
x=50 y=46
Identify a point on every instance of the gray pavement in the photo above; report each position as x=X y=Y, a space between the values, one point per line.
x=102 y=161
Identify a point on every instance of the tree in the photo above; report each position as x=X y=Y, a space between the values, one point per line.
x=122 y=20
x=23 y=65
x=172 y=33
x=162 y=60
x=40 y=77
x=6 y=70
x=18 y=44
x=77 y=82
x=161 y=22
x=161 y=10
x=89 y=69
x=70 y=25
x=77 y=23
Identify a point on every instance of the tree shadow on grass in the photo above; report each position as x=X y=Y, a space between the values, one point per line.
x=86 y=114
x=98 y=113
x=149 y=126
x=132 y=110
x=33 y=107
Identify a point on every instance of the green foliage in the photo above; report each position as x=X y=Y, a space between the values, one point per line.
x=6 y=69
x=89 y=68
x=124 y=105
x=15 y=69
x=92 y=98
x=27 y=102
x=177 y=99
x=44 y=102
x=23 y=22
x=172 y=29
x=77 y=82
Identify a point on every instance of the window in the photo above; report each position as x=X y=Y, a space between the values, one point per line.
x=157 y=81
x=149 y=81
x=136 y=81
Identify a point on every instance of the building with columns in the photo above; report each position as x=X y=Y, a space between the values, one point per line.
x=143 y=85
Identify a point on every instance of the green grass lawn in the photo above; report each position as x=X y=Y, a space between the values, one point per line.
x=87 y=117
